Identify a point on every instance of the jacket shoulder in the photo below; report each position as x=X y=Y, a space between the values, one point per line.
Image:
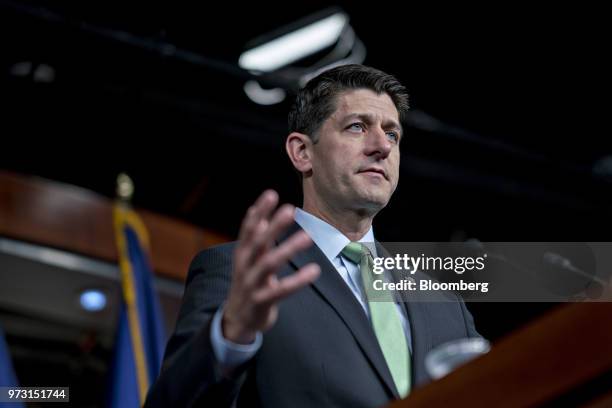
x=213 y=258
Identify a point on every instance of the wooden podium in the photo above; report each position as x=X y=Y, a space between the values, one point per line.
x=563 y=359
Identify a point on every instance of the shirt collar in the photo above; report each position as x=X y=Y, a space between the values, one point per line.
x=327 y=237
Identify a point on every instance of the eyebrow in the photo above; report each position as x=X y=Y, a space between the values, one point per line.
x=369 y=118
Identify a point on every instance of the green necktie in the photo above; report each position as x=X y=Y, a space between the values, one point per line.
x=385 y=320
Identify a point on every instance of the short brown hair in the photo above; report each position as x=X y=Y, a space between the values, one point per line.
x=317 y=100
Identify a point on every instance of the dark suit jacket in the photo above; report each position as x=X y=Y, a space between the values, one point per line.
x=322 y=351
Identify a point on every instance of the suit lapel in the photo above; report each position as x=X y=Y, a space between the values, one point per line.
x=332 y=288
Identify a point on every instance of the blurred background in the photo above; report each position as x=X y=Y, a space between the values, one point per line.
x=506 y=142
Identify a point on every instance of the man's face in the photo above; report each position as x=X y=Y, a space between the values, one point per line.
x=355 y=163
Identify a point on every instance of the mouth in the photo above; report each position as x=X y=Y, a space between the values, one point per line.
x=374 y=170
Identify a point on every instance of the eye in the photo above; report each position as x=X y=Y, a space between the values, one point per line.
x=357 y=126
x=394 y=136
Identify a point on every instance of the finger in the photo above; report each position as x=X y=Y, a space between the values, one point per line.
x=272 y=260
x=264 y=239
x=261 y=209
x=264 y=204
x=254 y=248
x=243 y=254
x=288 y=285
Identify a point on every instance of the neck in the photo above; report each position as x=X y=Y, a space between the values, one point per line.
x=354 y=224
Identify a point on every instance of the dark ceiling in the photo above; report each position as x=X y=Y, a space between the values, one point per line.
x=514 y=90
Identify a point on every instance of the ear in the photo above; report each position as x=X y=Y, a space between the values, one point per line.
x=299 y=150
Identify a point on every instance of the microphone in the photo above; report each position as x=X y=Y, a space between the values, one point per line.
x=476 y=245
x=556 y=272
x=554 y=259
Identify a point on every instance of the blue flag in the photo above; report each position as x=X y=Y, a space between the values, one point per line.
x=140 y=337
x=7 y=374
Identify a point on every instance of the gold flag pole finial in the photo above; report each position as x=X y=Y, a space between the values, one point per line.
x=125 y=188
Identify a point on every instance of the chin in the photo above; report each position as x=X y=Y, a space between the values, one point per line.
x=380 y=195
x=373 y=202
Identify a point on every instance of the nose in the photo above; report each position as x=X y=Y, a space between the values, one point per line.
x=378 y=144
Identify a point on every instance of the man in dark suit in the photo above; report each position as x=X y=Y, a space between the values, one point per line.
x=272 y=320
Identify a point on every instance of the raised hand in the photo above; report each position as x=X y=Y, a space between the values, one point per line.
x=252 y=304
